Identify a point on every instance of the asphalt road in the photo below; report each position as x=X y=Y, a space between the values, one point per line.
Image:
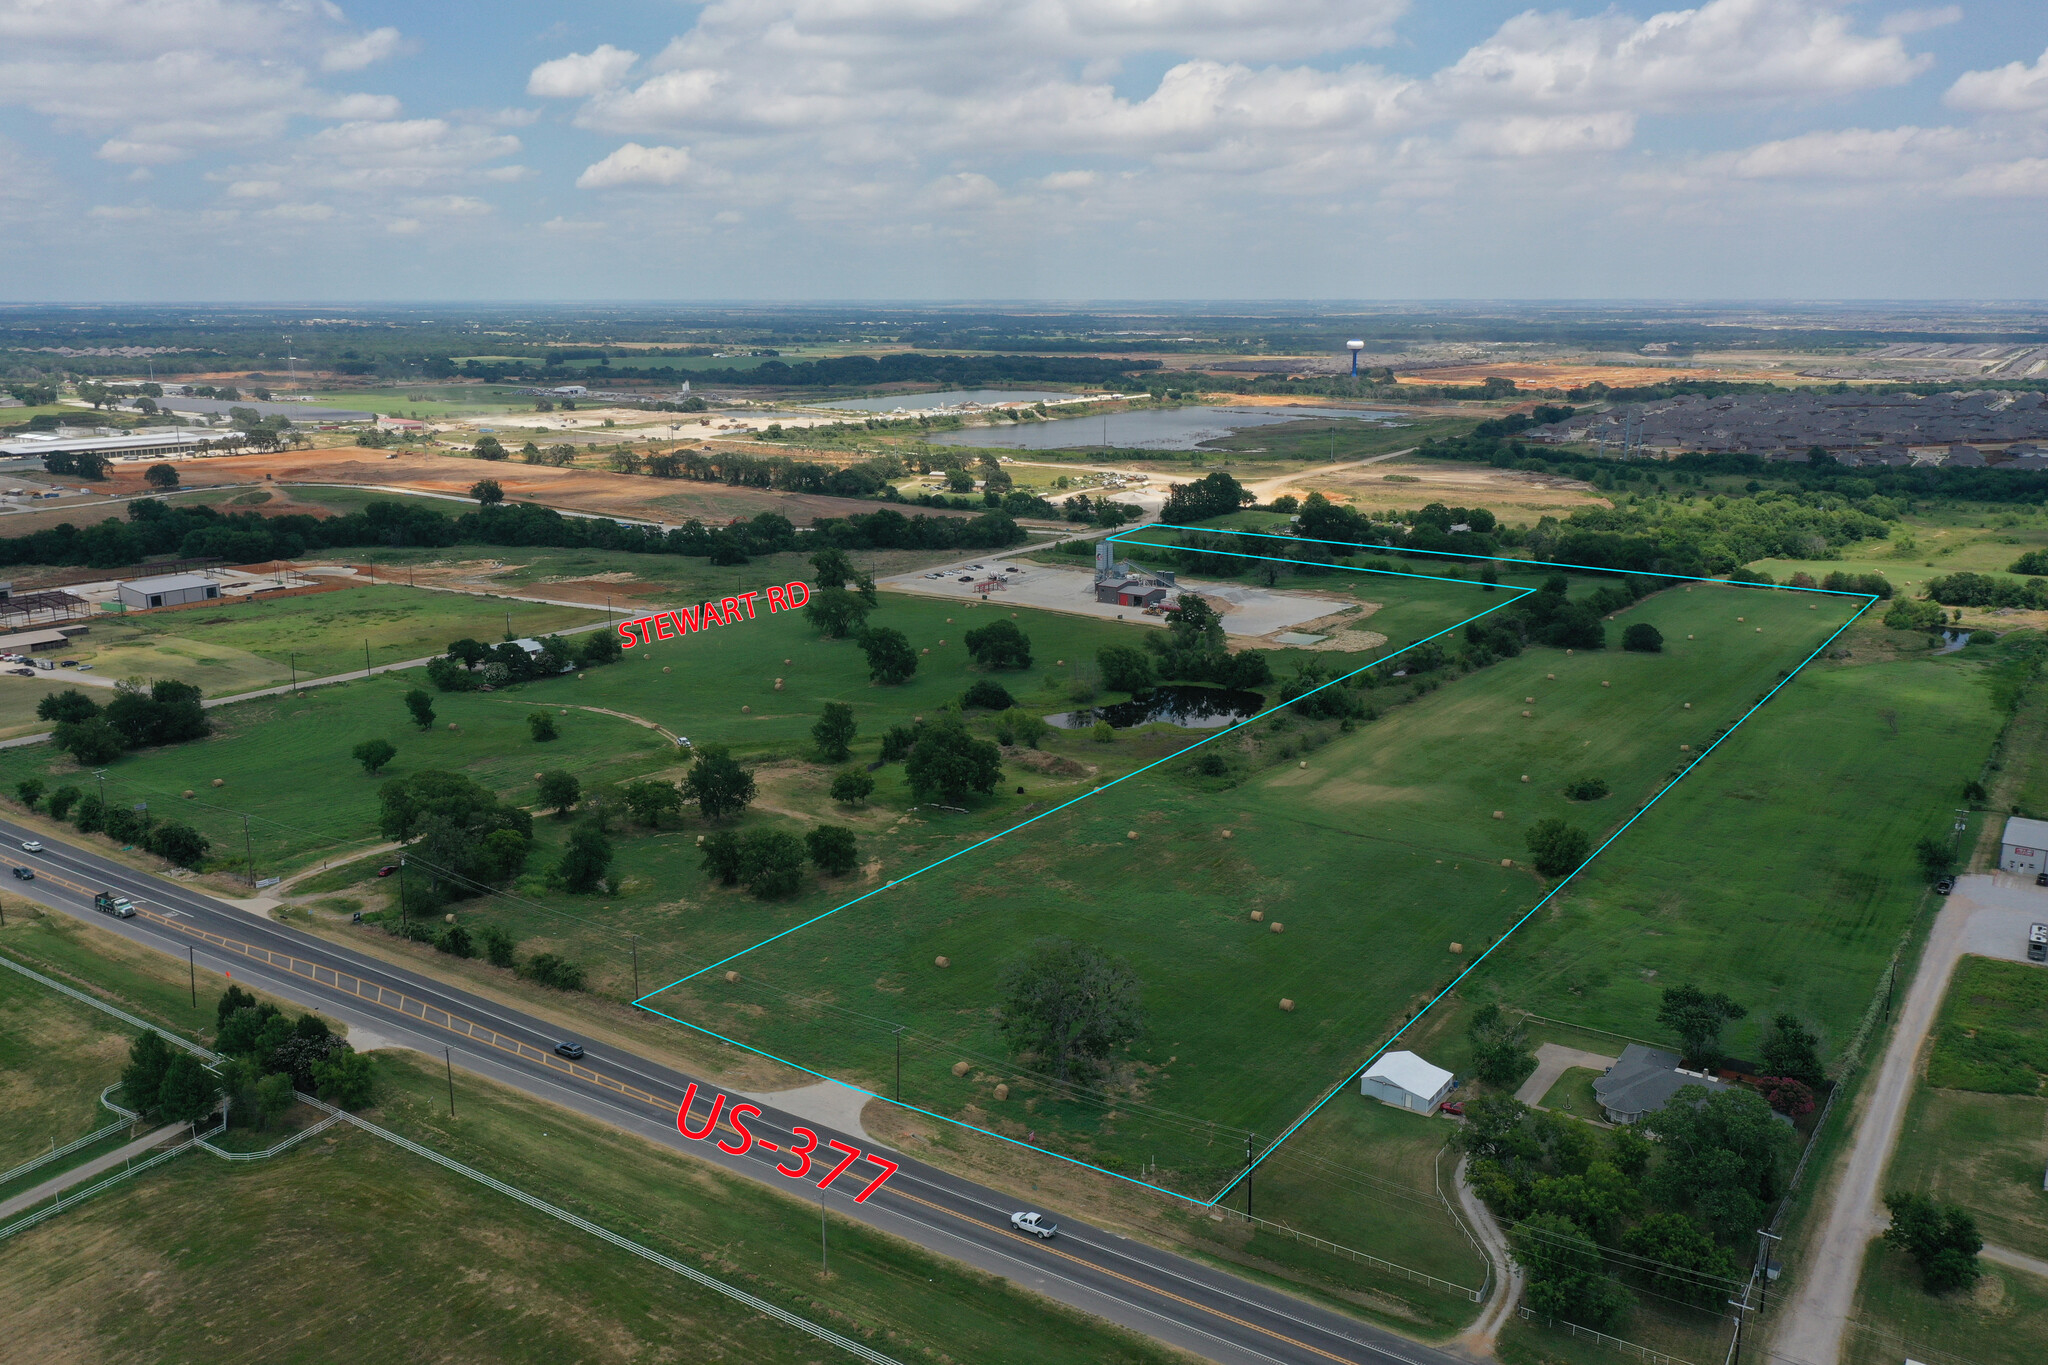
x=1176 y=1300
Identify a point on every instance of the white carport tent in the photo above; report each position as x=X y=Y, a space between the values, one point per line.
x=1406 y=1081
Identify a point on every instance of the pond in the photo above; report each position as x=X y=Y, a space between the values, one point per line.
x=1191 y=708
x=1143 y=428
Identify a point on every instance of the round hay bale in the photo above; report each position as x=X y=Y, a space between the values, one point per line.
x=189 y=793
x=942 y=962
x=1605 y=683
x=1059 y=663
x=942 y=642
x=700 y=839
x=1278 y=927
x=1685 y=748
x=1132 y=835
x=220 y=782
x=536 y=777
x=924 y=651
x=1226 y=834
x=746 y=710
x=1457 y=947
x=1013 y=615
x=1741 y=618
x=1258 y=917
x=1528 y=713
x=788 y=661
x=1688 y=706
x=1286 y=1004
x=1500 y=815
x=949 y=620
x=778 y=684
x=1525 y=777
x=1568 y=654
x=449 y=918
x=1002 y=1091
x=1507 y=862
x=565 y=710
x=453 y=726
x=961 y=1068
x=1810 y=606
x=665 y=668
x=1304 y=763
x=1530 y=700
x=1759 y=630
x=1551 y=676
x=732 y=978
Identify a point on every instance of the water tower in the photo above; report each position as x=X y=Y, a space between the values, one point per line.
x=1355 y=346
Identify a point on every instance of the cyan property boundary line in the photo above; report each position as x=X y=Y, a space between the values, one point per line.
x=1123 y=537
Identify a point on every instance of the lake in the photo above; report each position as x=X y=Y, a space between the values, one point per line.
x=1191 y=708
x=949 y=398
x=1142 y=428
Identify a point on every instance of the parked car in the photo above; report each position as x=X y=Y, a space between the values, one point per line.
x=23 y=672
x=67 y=663
x=31 y=846
x=27 y=874
x=387 y=869
x=1453 y=1107
x=2041 y=880
x=573 y=1051
x=1944 y=886
x=966 y=578
x=1034 y=1224
x=2037 y=943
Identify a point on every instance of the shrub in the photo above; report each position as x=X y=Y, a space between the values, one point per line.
x=61 y=801
x=177 y=842
x=556 y=973
x=498 y=945
x=1586 y=789
x=1558 y=847
x=1102 y=732
x=833 y=849
x=1642 y=638
x=91 y=814
x=852 y=786
x=987 y=694
x=456 y=942
x=373 y=754
x=1942 y=1238
x=541 y=726
x=771 y=862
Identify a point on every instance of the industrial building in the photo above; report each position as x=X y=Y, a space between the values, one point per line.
x=171 y=590
x=1118 y=584
x=184 y=441
x=1406 y=1081
x=2024 y=846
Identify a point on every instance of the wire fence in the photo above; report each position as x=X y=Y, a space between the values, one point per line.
x=68 y=1148
x=1648 y=1354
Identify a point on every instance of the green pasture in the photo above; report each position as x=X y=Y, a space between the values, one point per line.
x=443 y=400
x=1931 y=543
x=1984 y=1152
x=1377 y=854
x=2003 y=1321
x=1992 y=1035
x=237 y=646
x=1315 y=441
x=56 y=1055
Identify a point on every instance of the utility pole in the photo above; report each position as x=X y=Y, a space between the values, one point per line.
x=824 y=1252
x=635 y=942
x=249 y=849
x=101 y=774
x=1248 y=1140
x=295 y=672
x=450 y=1063
x=401 y=897
x=1763 y=1257
x=899 y=1064
x=366 y=658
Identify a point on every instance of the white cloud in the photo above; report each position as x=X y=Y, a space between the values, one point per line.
x=121 y=213
x=634 y=164
x=1921 y=20
x=255 y=189
x=572 y=227
x=140 y=153
x=403 y=227
x=353 y=54
x=1526 y=135
x=581 y=74
x=300 y=212
x=2014 y=88
x=450 y=206
x=1070 y=180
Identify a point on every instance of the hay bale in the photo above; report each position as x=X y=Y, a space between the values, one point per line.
x=1258 y=917
x=789 y=661
x=1525 y=777
x=1500 y=815
x=537 y=777
x=1286 y=1004
x=1457 y=947
x=1304 y=763
x=1685 y=748
x=949 y=620
x=942 y=642
x=1507 y=862
x=1226 y=834
x=449 y=918
x=1527 y=714
x=1568 y=654
x=1059 y=663
x=1605 y=683
x=732 y=978
x=1759 y=630
x=942 y=962
x=1002 y=1091
x=665 y=668
x=1551 y=676
x=1278 y=927
x=961 y=1068
x=1530 y=700
x=924 y=651
x=453 y=726
x=746 y=710
x=1688 y=706
x=1132 y=835
x=220 y=782
x=778 y=684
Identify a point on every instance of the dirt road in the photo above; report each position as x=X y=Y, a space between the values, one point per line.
x=1987 y=915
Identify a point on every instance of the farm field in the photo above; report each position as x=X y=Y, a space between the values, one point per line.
x=1984 y=1152
x=56 y=1055
x=1374 y=849
x=1513 y=495
x=2003 y=1321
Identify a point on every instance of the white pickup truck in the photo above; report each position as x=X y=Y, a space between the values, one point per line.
x=1035 y=1225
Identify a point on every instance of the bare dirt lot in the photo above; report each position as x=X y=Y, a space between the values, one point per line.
x=671 y=501
x=1576 y=376
x=1509 y=494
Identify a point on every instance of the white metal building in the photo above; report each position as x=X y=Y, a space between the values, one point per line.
x=136 y=445
x=2024 y=846
x=169 y=591
x=1406 y=1081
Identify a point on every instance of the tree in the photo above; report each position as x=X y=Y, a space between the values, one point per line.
x=487 y=492
x=160 y=476
x=1566 y=1278
x=1125 y=669
x=1791 y=1049
x=346 y=1079
x=469 y=653
x=456 y=823
x=586 y=860
x=560 y=791
x=1215 y=496
x=422 y=707
x=1937 y=859
x=599 y=647
x=1018 y=726
x=836 y=613
x=187 y=1094
x=946 y=762
x=1681 y=1260
x=834 y=731
x=149 y=1057
x=835 y=571
x=541 y=726
x=273 y=1097
x=1194 y=624
x=1586 y=788
x=488 y=448
x=556 y=973
x=717 y=783
x=91 y=742
x=1643 y=638
x=988 y=695
x=177 y=842
x=169 y=713
x=1724 y=1155
x=1942 y=1238
x=722 y=857
x=1558 y=847
x=833 y=849
x=1500 y=1048
x=1696 y=1017
x=373 y=754
x=771 y=862
x=999 y=644
x=1065 y=1004
x=649 y=801
x=70 y=704
x=232 y=999
x=852 y=786
x=891 y=660
x=29 y=791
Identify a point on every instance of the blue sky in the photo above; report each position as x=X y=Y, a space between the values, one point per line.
x=1018 y=149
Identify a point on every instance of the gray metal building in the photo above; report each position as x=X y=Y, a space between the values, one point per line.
x=2024 y=846
x=169 y=591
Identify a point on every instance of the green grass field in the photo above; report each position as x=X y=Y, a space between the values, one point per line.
x=1985 y=1152
x=56 y=1055
x=2003 y=1321
x=1993 y=1032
